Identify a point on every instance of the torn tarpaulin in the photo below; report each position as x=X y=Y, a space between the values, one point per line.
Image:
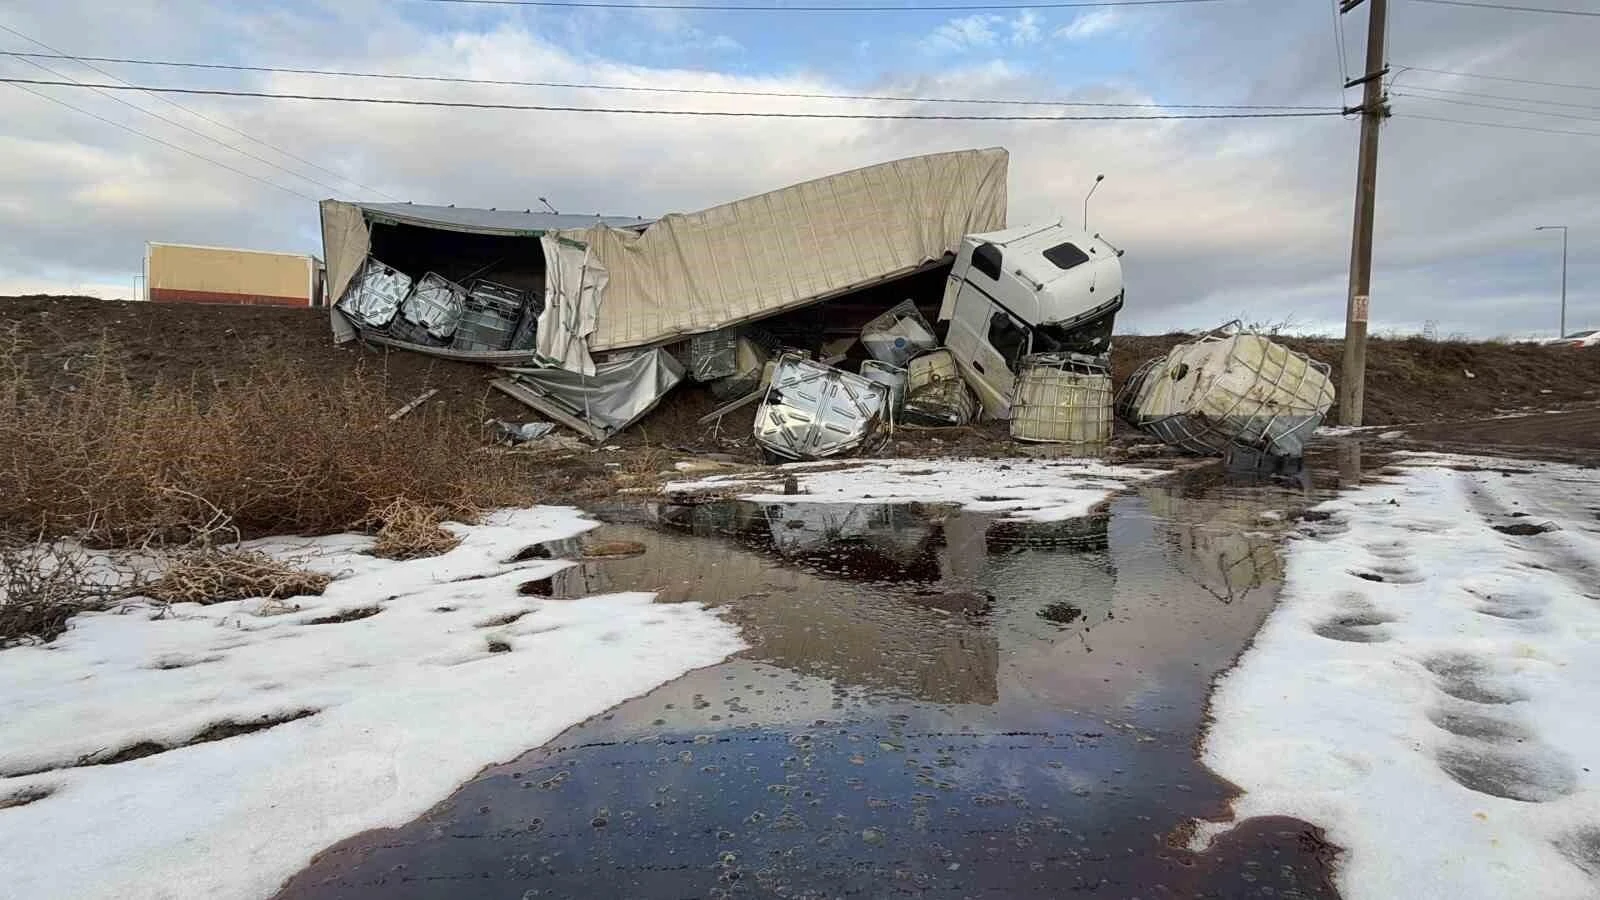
x=598 y=405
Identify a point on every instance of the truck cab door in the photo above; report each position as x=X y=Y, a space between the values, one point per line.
x=988 y=344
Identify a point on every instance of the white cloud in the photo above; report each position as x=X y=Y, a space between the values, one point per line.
x=983 y=32
x=965 y=33
x=1025 y=28
x=1089 y=24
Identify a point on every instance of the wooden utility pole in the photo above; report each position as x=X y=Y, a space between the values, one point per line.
x=1374 y=109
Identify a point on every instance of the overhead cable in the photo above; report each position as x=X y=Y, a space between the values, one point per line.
x=1554 y=84
x=56 y=53
x=1501 y=97
x=1518 y=109
x=1504 y=125
x=1513 y=8
x=131 y=130
x=653 y=89
x=541 y=107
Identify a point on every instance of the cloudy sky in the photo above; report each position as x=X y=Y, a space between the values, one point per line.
x=1220 y=219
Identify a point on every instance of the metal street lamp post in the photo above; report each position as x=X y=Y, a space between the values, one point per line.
x=1563 y=229
x=1097 y=180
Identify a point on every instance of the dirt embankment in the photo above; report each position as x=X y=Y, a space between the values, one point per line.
x=1408 y=381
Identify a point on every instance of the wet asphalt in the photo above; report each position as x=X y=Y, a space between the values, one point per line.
x=935 y=703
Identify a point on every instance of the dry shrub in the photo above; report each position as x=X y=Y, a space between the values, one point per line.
x=276 y=452
x=43 y=586
x=214 y=576
x=410 y=530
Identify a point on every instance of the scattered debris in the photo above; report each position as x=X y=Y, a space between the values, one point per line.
x=420 y=399
x=599 y=405
x=1226 y=389
x=812 y=410
x=514 y=433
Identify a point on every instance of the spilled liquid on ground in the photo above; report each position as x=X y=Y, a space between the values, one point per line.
x=934 y=703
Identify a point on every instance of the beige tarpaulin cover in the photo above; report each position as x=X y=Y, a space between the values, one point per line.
x=692 y=273
x=346 y=240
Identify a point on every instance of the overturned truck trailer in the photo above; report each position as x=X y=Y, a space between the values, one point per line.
x=614 y=288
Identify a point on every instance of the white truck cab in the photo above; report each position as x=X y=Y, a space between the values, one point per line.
x=1034 y=289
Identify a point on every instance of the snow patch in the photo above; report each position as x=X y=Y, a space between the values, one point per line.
x=1029 y=490
x=1425 y=690
x=405 y=704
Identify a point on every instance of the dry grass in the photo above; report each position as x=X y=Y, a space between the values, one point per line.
x=410 y=530
x=214 y=576
x=275 y=452
x=42 y=586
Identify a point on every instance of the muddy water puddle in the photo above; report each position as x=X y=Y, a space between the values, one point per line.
x=934 y=703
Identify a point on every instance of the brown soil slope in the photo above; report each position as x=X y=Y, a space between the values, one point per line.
x=1409 y=380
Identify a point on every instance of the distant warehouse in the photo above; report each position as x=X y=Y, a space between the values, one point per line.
x=185 y=273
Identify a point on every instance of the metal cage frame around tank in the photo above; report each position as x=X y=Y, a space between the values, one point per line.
x=1202 y=434
x=1032 y=421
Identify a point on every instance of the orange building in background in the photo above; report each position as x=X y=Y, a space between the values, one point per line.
x=185 y=273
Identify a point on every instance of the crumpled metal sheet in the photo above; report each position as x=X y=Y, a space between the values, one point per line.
x=375 y=294
x=812 y=410
x=618 y=394
x=521 y=432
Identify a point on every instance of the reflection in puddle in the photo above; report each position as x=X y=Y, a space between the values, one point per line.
x=934 y=702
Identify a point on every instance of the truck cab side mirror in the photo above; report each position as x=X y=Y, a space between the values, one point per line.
x=986 y=259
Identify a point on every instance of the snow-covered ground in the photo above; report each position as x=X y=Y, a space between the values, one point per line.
x=454 y=671
x=1428 y=689
x=1028 y=489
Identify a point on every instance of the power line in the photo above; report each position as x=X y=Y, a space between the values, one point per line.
x=1434 y=90
x=727 y=92
x=603 y=4
x=1500 y=125
x=538 y=107
x=1338 y=44
x=1554 y=84
x=1516 y=109
x=56 y=53
x=131 y=130
x=1507 y=6
x=175 y=124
